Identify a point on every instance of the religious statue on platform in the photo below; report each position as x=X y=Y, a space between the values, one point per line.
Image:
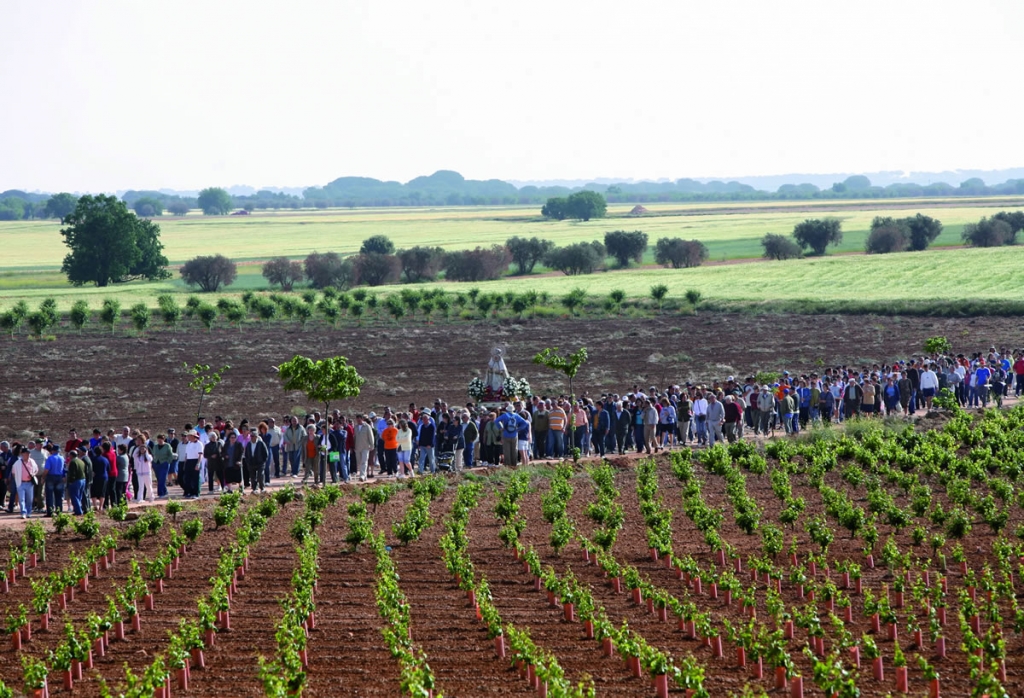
x=494 y=381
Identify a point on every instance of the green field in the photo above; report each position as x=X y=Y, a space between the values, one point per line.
x=32 y=251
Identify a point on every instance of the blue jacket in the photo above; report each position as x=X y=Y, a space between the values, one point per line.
x=426 y=435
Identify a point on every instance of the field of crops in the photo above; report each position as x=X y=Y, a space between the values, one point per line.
x=33 y=250
x=880 y=562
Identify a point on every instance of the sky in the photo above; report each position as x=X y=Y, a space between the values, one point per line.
x=109 y=95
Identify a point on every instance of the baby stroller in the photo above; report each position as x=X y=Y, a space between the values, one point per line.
x=446 y=461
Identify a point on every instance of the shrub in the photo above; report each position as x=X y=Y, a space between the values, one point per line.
x=110 y=313
x=169 y=310
x=481 y=264
x=79 y=314
x=818 y=234
x=693 y=296
x=284 y=272
x=209 y=272
x=328 y=269
x=780 y=247
x=140 y=316
x=578 y=258
x=886 y=238
x=421 y=263
x=677 y=253
x=988 y=232
x=375 y=269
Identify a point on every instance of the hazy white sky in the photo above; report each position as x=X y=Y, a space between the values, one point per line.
x=110 y=95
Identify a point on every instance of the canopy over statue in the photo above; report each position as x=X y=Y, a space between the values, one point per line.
x=497 y=385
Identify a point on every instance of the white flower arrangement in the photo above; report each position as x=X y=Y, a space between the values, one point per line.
x=476 y=389
x=514 y=387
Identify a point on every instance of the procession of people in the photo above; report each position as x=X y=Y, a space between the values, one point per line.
x=110 y=468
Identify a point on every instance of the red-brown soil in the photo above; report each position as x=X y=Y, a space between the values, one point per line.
x=103 y=381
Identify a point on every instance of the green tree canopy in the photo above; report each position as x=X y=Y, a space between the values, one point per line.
x=283 y=271
x=326 y=380
x=578 y=258
x=626 y=246
x=779 y=247
x=922 y=230
x=110 y=244
x=678 y=253
x=209 y=273
x=215 y=201
x=819 y=233
x=60 y=205
x=526 y=252
x=148 y=206
x=377 y=244
x=584 y=205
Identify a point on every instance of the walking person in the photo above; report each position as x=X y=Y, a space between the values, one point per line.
x=144 y=471
x=163 y=456
x=311 y=456
x=189 y=473
x=77 y=480
x=292 y=440
x=364 y=442
x=425 y=440
x=715 y=419
x=24 y=471
x=230 y=464
x=390 y=438
x=100 y=473
x=55 y=479
x=123 y=475
x=255 y=460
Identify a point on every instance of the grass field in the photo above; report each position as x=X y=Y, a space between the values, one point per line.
x=32 y=251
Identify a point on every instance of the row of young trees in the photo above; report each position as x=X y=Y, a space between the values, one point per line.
x=331 y=306
x=378 y=262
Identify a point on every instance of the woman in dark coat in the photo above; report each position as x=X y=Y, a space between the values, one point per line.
x=232 y=461
x=214 y=462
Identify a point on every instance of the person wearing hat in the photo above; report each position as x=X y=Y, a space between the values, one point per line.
x=190 y=471
x=765 y=402
x=511 y=424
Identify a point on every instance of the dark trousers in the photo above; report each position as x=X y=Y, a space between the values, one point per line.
x=254 y=474
x=190 y=478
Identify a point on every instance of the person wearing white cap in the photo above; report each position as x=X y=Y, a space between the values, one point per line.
x=190 y=473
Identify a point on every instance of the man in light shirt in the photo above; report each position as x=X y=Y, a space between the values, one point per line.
x=700 y=418
x=929 y=385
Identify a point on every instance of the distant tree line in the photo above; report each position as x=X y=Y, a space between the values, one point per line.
x=446 y=188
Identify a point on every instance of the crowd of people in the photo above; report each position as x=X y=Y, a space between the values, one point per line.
x=108 y=469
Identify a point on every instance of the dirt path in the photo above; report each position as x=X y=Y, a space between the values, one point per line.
x=346 y=651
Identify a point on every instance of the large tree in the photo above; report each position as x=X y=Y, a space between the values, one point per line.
x=584 y=205
x=148 y=206
x=60 y=205
x=110 y=244
x=819 y=233
x=283 y=271
x=578 y=258
x=526 y=252
x=325 y=269
x=922 y=230
x=377 y=244
x=626 y=246
x=214 y=201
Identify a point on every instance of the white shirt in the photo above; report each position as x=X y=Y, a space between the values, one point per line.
x=929 y=379
x=193 y=450
x=700 y=407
